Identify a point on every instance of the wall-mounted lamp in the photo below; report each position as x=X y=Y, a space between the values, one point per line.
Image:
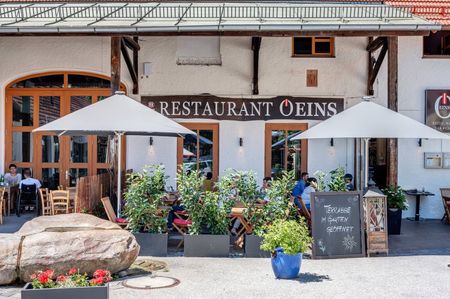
x=331 y=142
x=150 y=142
x=147 y=69
x=419 y=143
x=241 y=142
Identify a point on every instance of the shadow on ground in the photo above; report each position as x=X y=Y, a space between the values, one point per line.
x=311 y=277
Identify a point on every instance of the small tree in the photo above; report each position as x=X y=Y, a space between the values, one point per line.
x=144 y=196
x=337 y=182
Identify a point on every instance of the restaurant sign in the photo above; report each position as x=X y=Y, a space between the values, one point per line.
x=437 y=110
x=243 y=109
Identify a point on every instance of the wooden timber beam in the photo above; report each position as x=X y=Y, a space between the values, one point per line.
x=376 y=43
x=375 y=64
x=130 y=66
x=230 y=33
x=115 y=63
x=131 y=43
x=135 y=64
x=392 y=152
x=256 y=45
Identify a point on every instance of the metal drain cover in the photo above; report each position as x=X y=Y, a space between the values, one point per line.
x=151 y=282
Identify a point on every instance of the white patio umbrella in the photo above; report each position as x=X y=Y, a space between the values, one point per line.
x=369 y=120
x=116 y=115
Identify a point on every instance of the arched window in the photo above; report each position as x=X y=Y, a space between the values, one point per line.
x=36 y=100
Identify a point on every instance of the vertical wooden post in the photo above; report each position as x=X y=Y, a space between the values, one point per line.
x=256 y=44
x=115 y=63
x=392 y=152
x=136 y=66
x=370 y=90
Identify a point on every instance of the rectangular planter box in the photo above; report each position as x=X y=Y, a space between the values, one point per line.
x=206 y=245
x=68 y=293
x=252 y=249
x=152 y=244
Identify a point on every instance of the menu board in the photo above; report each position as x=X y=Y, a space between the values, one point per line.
x=337 y=227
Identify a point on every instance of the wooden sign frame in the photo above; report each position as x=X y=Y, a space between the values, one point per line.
x=361 y=221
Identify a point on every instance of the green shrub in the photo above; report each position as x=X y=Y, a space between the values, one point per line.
x=396 y=198
x=215 y=217
x=337 y=182
x=291 y=235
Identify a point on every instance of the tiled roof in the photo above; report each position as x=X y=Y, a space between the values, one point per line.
x=433 y=10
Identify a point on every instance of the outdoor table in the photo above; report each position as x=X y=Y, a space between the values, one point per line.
x=239 y=214
x=10 y=190
x=417 y=194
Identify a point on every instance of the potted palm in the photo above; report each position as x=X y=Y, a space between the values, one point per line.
x=278 y=196
x=146 y=218
x=396 y=203
x=287 y=240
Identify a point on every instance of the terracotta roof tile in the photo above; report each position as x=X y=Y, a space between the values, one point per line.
x=433 y=10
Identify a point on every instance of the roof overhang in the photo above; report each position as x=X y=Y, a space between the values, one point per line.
x=215 y=18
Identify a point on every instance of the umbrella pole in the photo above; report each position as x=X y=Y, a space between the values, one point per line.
x=119 y=171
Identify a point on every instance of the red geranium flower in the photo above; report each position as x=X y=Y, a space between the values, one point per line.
x=33 y=276
x=61 y=278
x=99 y=280
x=43 y=277
x=100 y=273
x=73 y=271
x=50 y=273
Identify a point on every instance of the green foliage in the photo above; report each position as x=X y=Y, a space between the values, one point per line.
x=190 y=188
x=337 y=182
x=144 y=196
x=321 y=184
x=292 y=236
x=237 y=185
x=396 y=198
x=215 y=216
x=278 y=206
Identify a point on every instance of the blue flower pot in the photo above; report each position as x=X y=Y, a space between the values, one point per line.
x=286 y=266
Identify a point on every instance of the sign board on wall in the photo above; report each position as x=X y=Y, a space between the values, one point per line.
x=337 y=225
x=244 y=109
x=437 y=110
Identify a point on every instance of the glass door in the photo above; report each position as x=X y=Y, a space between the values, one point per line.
x=281 y=152
x=200 y=151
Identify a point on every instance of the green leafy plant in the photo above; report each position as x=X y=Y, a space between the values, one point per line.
x=277 y=207
x=337 y=182
x=215 y=216
x=321 y=184
x=190 y=188
x=236 y=186
x=292 y=236
x=396 y=198
x=143 y=199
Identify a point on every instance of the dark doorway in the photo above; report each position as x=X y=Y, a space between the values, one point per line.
x=378 y=162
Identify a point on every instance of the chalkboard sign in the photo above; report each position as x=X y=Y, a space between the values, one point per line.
x=336 y=219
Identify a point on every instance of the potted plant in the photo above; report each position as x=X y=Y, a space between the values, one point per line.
x=396 y=202
x=146 y=218
x=287 y=240
x=215 y=241
x=260 y=217
x=73 y=284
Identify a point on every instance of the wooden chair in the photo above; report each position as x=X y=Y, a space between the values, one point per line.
x=304 y=211
x=60 y=201
x=111 y=214
x=445 y=194
x=2 y=204
x=45 y=202
x=182 y=226
x=72 y=198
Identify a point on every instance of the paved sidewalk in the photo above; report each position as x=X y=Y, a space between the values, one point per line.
x=381 y=277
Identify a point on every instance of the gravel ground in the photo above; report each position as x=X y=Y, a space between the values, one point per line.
x=381 y=277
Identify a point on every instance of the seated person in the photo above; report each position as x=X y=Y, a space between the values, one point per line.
x=12 y=178
x=177 y=207
x=348 y=178
x=299 y=188
x=208 y=184
x=27 y=181
x=267 y=182
x=310 y=187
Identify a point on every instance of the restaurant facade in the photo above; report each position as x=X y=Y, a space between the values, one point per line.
x=244 y=94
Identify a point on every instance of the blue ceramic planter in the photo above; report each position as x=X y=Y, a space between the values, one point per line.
x=286 y=266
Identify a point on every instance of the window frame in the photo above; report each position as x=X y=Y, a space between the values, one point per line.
x=435 y=56
x=313 y=54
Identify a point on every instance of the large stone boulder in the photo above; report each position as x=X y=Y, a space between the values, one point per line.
x=60 y=242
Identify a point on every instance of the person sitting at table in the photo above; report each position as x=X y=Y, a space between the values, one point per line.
x=27 y=181
x=348 y=178
x=310 y=187
x=12 y=178
x=267 y=183
x=299 y=188
x=208 y=184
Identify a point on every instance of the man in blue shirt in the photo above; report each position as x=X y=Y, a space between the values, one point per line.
x=299 y=187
